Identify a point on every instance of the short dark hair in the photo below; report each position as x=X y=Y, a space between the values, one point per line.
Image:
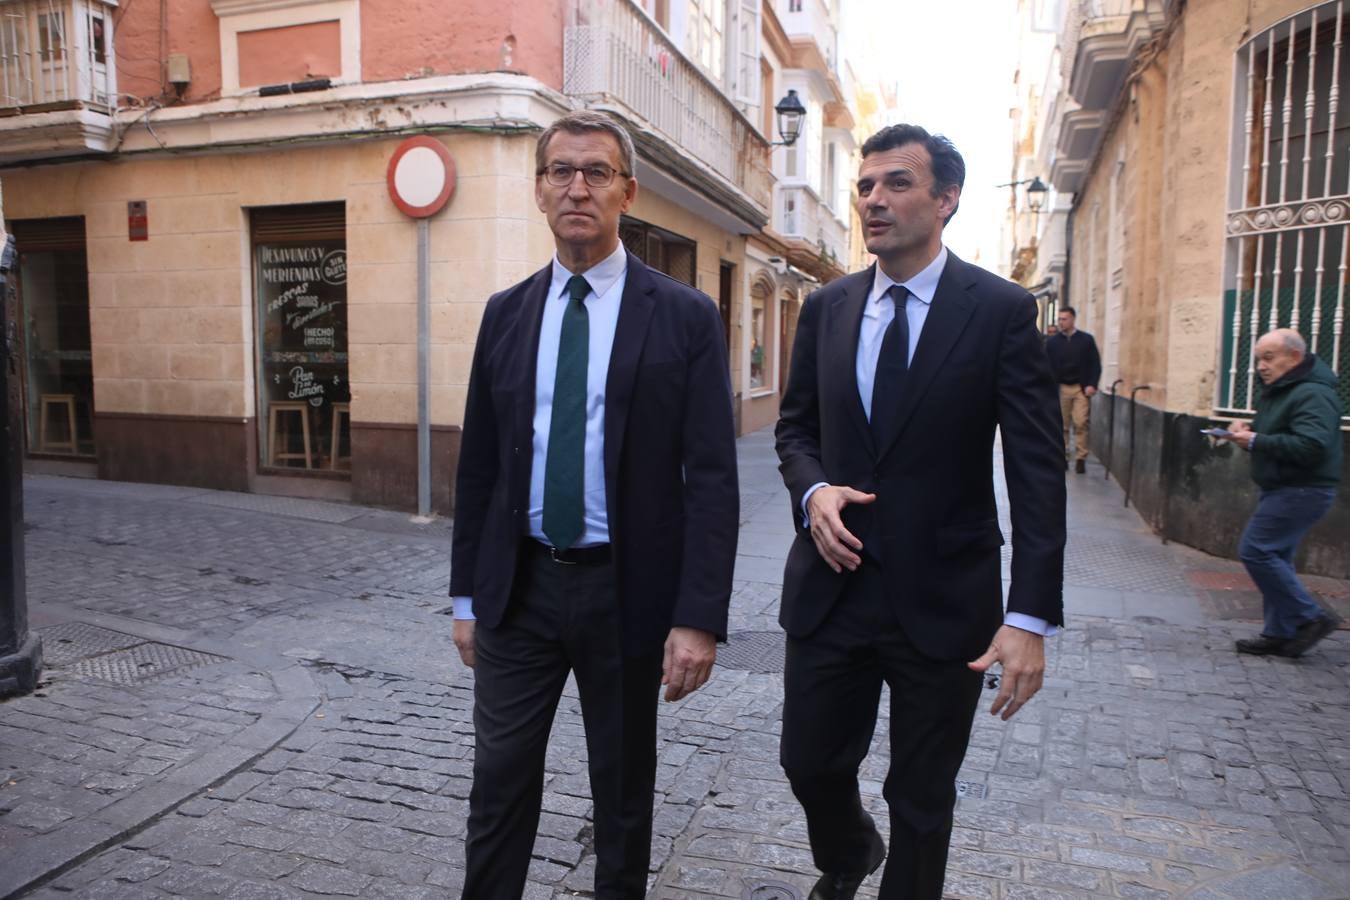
x=1070 y=310
x=948 y=167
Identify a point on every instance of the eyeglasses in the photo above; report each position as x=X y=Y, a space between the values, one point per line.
x=561 y=174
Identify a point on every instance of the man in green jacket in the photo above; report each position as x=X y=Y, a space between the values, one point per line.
x=1295 y=443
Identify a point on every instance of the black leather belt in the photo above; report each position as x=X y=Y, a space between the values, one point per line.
x=575 y=556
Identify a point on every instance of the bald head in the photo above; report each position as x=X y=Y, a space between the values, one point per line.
x=1277 y=352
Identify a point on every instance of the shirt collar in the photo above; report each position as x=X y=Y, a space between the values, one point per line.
x=922 y=286
x=601 y=277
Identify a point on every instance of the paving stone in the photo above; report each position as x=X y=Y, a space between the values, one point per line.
x=1154 y=760
x=254 y=890
x=1108 y=860
x=1059 y=874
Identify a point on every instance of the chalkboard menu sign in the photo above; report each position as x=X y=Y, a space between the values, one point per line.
x=302 y=307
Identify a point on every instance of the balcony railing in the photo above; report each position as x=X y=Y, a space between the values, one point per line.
x=56 y=52
x=803 y=216
x=613 y=52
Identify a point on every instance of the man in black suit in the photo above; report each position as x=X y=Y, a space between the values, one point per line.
x=900 y=376
x=596 y=516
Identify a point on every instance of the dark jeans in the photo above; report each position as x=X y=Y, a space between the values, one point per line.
x=1283 y=516
x=832 y=684
x=562 y=618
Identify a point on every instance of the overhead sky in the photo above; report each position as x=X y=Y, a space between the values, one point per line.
x=952 y=63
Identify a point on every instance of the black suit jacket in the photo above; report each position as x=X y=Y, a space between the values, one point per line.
x=670 y=456
x=979 y=365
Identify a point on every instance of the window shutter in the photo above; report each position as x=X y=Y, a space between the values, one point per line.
x=31 y=235
x=747 y=91
x=309 y=222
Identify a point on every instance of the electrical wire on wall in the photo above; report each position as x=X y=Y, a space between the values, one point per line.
x=127 y=73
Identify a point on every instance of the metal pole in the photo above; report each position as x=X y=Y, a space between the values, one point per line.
x=423 y=368
x=1129 y=483
x=1111 y=429
x=20 y=649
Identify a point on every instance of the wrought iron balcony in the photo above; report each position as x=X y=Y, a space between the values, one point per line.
x=615 y=56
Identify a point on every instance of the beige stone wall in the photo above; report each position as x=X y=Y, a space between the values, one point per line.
x=1119 y=205
x=1173 y=136
x=489 y=237
x=172 y=318
x=714 y=247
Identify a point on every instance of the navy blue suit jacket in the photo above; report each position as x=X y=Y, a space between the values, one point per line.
x=670 y=457
x=979 y=365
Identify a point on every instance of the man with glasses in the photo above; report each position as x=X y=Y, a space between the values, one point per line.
x=596 y=516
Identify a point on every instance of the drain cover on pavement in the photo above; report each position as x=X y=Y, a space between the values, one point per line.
x=69 y=641
x=770 y=890
x=87 y=651
x=753 y=651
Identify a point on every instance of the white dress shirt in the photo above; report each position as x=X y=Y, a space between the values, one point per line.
x=606 y=279
x=877 y=316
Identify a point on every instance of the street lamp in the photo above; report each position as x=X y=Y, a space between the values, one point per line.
x=790 y=112
x=1036 y=192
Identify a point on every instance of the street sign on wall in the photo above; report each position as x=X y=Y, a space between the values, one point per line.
x=421 y=176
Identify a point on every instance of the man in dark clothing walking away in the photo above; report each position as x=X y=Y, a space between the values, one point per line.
x=1295 y=444
x=1077 y=368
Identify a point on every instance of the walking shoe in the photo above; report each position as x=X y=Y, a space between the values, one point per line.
x=845 y=887
x=1263 y=645
x=1080 y=467
x=1308 y=634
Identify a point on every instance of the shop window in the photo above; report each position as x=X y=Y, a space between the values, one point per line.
x=663 y=250
x=761 y=348
x=300 y=273
x=58 y=372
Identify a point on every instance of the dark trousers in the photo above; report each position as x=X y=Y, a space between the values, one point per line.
x=833 y=684
x=562 y=618
x=1282 y=517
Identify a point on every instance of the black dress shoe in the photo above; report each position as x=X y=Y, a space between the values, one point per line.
x=1080 y=466
x=1262 y=645
x=845 y=887
x=1308 y=634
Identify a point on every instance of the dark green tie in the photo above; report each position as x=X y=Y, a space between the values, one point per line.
x=564 y=476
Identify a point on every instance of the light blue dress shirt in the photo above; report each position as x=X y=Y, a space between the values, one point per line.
x=606 y=279
x=877 y=316
x=879 y=312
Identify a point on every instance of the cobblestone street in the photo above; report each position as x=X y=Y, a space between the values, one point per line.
x=257 y=697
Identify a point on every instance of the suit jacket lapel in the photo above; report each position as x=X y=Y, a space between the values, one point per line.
x=846 y=327
x=635 y=313
x=947 y=317
x=528 y=324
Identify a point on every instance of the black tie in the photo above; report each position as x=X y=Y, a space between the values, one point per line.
x=564 y=484
x=892 y=364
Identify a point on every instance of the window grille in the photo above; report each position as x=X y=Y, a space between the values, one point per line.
x=1288 y=221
